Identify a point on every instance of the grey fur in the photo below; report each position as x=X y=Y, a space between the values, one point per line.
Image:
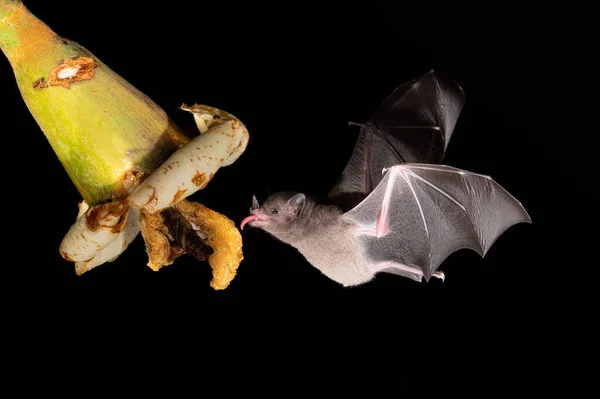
x=320 y=234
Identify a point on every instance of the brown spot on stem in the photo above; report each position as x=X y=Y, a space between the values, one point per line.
x=72 y=70
x=40 y=84
x=199 y=178
x=178 y=196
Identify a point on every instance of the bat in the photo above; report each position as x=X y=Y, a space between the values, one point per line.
x=395 y=208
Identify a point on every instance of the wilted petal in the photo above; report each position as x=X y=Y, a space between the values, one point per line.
x=224 y=238
x=158 y=241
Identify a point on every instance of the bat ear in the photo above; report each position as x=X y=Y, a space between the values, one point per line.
x=296 y=203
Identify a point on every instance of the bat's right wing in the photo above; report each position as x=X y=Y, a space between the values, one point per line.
x=414 y=124
x=420 y=214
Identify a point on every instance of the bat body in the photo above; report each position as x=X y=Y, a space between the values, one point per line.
x=397 y=208
x=320 y=232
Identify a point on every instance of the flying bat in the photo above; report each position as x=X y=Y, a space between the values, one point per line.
x=395 y=208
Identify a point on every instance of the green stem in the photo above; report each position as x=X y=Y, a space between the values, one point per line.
x=7 y=7
x=107 y=134
x=7 y=32
x=21 y=31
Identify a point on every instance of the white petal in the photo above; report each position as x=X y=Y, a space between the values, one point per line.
x=116 y=247
x=192 y=166
x=94 y=229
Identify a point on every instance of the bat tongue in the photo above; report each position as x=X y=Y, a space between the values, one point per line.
x=248 y=219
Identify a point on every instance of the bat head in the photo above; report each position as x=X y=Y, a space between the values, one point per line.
x=277 y=213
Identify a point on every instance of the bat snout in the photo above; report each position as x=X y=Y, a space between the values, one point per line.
x=256 y=215
x=248 y=219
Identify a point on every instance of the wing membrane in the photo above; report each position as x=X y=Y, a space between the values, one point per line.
x=433 y=211
x=413 y=125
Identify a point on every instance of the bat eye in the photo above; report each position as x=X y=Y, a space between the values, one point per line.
x=274 y=211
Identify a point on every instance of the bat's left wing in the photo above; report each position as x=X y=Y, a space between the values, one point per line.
x=420 y=214
x=413 y=124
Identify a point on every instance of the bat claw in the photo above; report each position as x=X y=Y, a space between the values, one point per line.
x=439 y=275
x=350 y=123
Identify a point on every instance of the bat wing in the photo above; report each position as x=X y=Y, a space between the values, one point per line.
x=414 y=124
x=419 y=214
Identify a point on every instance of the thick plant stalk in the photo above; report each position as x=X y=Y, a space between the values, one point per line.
x=81 y=104
x=126 y=157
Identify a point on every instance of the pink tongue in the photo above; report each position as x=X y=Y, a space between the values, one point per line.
x=247 y=219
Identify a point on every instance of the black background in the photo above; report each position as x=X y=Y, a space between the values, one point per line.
x=295 y=74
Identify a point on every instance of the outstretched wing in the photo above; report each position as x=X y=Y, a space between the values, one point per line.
x=414 y=124
x=419 y=214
